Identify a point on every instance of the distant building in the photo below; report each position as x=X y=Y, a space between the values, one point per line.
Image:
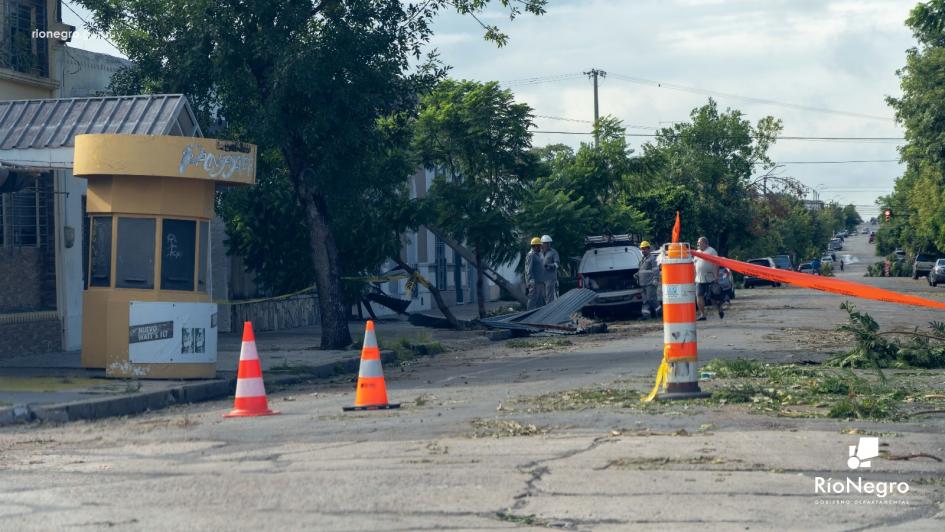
x=83 y=73
x=813 y=205
x=438 y=263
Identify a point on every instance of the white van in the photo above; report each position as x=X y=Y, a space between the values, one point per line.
x=608 y=267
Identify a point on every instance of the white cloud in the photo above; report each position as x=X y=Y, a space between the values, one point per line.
x=837 y=54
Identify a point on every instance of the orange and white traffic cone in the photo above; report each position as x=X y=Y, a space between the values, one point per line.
x=372 y=391
x=250 y=391
x=678 y=376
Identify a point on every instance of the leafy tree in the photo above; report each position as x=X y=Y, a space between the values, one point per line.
x=310 y=79
x=851 y=218
x=580 y=193
x=714 y=157
x=918 y=221
x=477 y=137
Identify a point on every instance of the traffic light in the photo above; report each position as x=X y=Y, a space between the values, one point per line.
x=888 y=214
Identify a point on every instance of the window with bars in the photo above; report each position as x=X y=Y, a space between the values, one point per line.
x=440 y=254
x=24 y=216
x=19 y=50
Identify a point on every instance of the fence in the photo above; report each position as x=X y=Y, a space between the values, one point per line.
x=288 y=313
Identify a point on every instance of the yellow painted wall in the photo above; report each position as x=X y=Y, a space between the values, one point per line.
x=157 y=196
x=154 y=177
x=182 y=157
x=105 y=309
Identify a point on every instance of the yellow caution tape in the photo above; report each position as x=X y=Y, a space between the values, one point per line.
x=379 y=278
x=661 y=374
x=412 y=280
x=412 y=284
x=262 y=299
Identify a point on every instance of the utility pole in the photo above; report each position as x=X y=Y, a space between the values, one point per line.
x=595 y=73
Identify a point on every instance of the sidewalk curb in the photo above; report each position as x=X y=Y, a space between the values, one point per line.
x=186 y=393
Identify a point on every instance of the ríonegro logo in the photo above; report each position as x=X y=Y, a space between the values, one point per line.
x=860 y=456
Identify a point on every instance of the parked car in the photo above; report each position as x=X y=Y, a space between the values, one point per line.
x=937 y=275
x=808 y=267
x=783 y=262
x=835 y=244
x=865 y=231
x=608 y=267
x=923 y=264
x=900 y=254
x=827 y=259
x=751 y=282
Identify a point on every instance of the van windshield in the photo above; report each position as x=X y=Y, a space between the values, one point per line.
x=923 y=257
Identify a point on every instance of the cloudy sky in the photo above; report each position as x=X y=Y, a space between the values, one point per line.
x=827 y=63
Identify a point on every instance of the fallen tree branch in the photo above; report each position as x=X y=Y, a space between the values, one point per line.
x=486 y=269
x=437 y=297
x=887 y=456
x=912 y=333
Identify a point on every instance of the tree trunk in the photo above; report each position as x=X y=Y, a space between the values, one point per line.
x=324 y=252
x=480 y=282
x=437 y=297
x=484 y=268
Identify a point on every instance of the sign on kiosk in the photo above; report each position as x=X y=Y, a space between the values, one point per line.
x=172 y=333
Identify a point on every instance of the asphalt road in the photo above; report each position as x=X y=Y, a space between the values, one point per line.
x=475 y=448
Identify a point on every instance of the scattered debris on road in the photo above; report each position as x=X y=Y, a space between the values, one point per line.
x=560 y=316
x=500 y=428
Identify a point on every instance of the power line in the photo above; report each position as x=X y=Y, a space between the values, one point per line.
x=708 y=92
x=779 y=137
x=69 y=7
x=841 y=162
x=540 y=80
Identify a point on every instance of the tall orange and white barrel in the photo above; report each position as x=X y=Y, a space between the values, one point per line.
x=678 y=376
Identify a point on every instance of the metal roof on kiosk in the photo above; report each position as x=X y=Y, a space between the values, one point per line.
x=39 y=124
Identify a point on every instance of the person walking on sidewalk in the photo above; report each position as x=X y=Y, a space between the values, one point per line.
x=534 y=285
x=707 y=280
x=550 y=263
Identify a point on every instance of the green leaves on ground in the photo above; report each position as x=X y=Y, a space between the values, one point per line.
x=806 y=391
x=903 y=349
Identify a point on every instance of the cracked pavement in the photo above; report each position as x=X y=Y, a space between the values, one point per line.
x=454 y=457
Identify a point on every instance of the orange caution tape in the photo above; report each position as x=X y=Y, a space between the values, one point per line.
x=818 y=282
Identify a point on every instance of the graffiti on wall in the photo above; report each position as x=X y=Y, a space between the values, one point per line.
x=216 y=165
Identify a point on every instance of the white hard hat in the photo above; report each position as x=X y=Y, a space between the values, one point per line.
x=545 y=239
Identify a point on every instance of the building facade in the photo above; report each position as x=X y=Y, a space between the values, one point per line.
x=32 y=37
x=453 y=276
x=45 y=245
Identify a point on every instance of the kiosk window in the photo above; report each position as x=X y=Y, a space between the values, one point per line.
x=178 y=249
x=135 y=253
x=101 y=251
x=203 y=269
